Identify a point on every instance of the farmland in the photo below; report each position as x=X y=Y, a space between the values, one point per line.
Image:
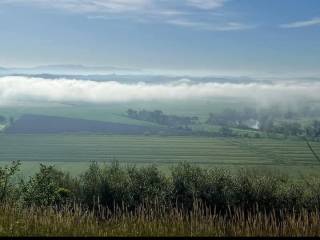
x=73 y=152
x=49 y=124
x=116 y=112
x=70 y=137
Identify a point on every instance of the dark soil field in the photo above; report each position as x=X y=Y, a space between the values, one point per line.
x=35 y=124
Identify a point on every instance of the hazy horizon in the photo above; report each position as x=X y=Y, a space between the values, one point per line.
x=224 y=37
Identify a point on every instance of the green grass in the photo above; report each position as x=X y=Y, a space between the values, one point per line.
x=73 y=152
x=116 y=112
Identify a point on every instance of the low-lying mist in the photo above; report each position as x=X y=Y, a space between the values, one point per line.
x=20 y=90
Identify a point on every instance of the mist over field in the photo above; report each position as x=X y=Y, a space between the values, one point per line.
x=20 y=89
x=159 y=118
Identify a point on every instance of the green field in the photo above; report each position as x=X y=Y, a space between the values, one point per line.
x=116 y=112
x=75 y=152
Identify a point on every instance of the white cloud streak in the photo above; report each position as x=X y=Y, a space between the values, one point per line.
x=206 y=4
x=301 y=24
x=145 y=11
x=14 y=90
x=230 y=26
x=112 y=5
x=87 y=6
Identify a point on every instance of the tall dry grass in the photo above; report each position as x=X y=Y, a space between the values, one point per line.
x=156 y=221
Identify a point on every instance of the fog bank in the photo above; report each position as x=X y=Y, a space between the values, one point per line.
x=25 y=89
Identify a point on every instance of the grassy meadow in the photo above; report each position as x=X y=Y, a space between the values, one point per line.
x=116 y=112
x=143 y=223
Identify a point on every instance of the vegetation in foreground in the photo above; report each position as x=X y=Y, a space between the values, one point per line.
x=74 y=221
x=121 y=201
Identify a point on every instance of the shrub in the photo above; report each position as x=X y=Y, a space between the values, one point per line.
x=114 y=186
x=45 y=188
x=187 y=181
x=105 y=185
x=253 y=188
x=5 y=176
x=148 y=185
x=217 y=192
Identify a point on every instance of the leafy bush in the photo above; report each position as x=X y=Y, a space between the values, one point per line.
x=114 y=186
x=5 y=175
x=218 y=191
x=107 y=186
x=45 y=188
x=187 y=181
x=148 y=185
x=252 y=189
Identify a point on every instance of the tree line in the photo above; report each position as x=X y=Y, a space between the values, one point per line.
x=114 y=185
x=270 y=121
x=160 y=118
x=6 y=120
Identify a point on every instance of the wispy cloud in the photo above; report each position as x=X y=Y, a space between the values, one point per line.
x=229 y=26
x=86 y=6
x=186 y=13
x=114 y=5
x=206 y=4
x=301 y=24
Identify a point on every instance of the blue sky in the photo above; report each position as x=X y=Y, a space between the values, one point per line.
x=270 y=36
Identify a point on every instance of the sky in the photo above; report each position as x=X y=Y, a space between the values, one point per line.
x=218 y=36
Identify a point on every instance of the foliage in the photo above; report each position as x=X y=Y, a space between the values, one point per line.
x=111 y=186
x=5 y=174
x=148 y=185
x=226 y=132
x=159 y=117
x=3 y=119
x=313 y=131
x=272 y=120
x=46 y=188
x=187 y=182
x=111 y=200
x=106 y=186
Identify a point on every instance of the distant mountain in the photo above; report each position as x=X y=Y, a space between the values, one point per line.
x=79 y=69
x=68 y=69
x=109 y=73
x=3 y=69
